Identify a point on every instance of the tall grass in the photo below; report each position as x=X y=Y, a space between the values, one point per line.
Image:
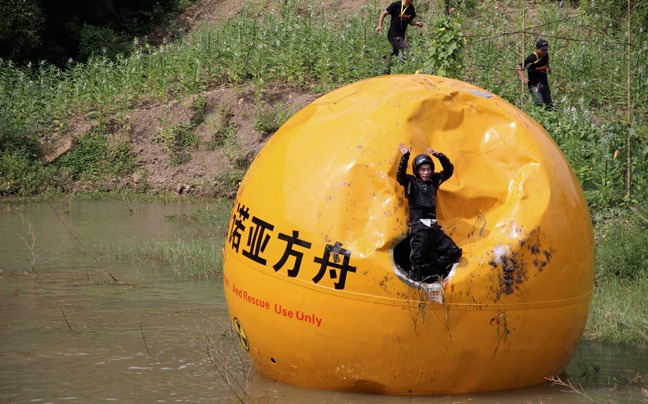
x=187 y=257
x=622 y=250
x=296 y=43
x=308 y=45
x=193 y=253
x=618 y=312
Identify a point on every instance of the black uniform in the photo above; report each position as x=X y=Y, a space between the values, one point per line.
x=432 y=251
x=399 y=20
x=538 y=83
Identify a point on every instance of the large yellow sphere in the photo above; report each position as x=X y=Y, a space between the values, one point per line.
x=314 y=261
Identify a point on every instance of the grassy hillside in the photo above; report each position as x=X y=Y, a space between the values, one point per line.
x=312 y=48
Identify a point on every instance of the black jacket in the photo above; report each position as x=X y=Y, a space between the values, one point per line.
x=420 y=194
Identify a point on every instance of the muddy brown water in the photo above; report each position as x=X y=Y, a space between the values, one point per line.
x=139 y=341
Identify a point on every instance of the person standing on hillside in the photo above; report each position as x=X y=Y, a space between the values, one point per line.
x=537 y=65
x=402 y=14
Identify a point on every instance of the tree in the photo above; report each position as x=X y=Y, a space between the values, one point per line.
x=21 y=26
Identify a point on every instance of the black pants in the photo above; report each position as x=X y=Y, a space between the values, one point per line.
x=432 y=252
x=542 y=94
x=398 y=44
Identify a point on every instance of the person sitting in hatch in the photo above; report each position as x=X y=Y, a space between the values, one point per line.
x=432 y=251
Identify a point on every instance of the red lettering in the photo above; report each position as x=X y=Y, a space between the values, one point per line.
x=298 y=315
x=243 y=294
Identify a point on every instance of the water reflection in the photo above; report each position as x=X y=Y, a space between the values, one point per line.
x=70 y=334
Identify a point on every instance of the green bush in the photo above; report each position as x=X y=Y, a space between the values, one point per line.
x=223 y=131
x=86 y=160
x=21 y=176
x=622 y=250
x=21 y=173
x=227 y=182
x=100 y=41
x=14 y=167
x=446 y=51
x=20 y=28
x=597 y=154
x=17 y=135
x=618 y=312
x=268 y=120
x=177 y=140
x=121 y=159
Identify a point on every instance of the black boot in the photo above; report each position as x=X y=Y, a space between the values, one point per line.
x=430 y=274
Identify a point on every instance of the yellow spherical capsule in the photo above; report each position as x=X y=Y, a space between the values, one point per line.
x=315 y=256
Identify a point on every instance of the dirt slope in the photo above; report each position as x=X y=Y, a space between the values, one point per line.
x=214 y=166
x=229 y=115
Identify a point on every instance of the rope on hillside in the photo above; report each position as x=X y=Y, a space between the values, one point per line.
x=532 y=27
x=498 y=35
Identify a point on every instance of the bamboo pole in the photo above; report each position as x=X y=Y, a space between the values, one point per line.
x=629 y=114
x=523 y=42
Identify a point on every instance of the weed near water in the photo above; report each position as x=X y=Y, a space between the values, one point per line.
x=215 y=214
x=187 y=257
x=194 y=253
x=227 y=182
x=622 y=250
x=222 y=347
